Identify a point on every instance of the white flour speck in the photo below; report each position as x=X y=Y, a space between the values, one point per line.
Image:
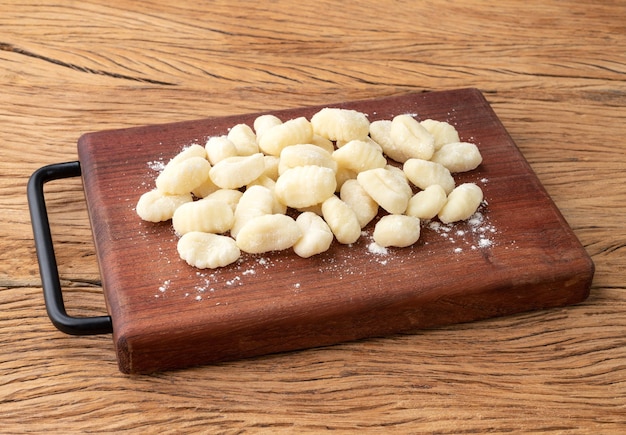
x=375 y=248
x=485 y=243
x=234 y=281
x=156 y=165
x=166 y=285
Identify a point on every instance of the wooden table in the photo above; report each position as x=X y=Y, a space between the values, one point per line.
x=555 y=74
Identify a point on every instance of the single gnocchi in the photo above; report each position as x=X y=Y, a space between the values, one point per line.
x=389 y=188
x=184 y=176
x=323 y=142
x=271 y=167
x=365 y=208
x=380 y=132
x=262 y=123
x=292 y=132
x=272 y=232
x=305 y=155
x=442 y=131
x=219 y=148
x=359 y=156
x=427 y=203
x=236 y=172
x=304 y=186
x=411 y=139
x=316 y=235
x=207 y=250
x=244 y=139
x=157 y=206
x=424 y=173
x=397 y=231
x=340 y=124
x=342 y=175
x=342 y=220
x=458 y=156
x=254 y=202
x=208 y=216
x=277 y=206
x=462 y=203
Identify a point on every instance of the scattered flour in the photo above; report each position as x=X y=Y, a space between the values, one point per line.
x=165 y=285
x=375 y=248
x=477 y=233
x=156 y=165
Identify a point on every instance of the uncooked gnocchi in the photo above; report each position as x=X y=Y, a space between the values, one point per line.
x=262 y=123
x=292 y=132
x=316 y=235
x=270 y=232
x=342 y=220
x=305 y=155
x=365 y=208
x=218 y=148
x=340 y=124
x=443 y=132
x=411 y=139
x=424 y=173
x=397 y=230
x=358 y=156
x=380 y=132
x=304 y=186
x=271 y=167
x=427 y=203
x=458 y=156
x=390 y=189
x=235 y=172
x=183 y=177
x=462 y=203
x=206 y=215
x=323 y=142
x=157 y=206
x=301 y=184
x=255 y=201
x=244 y=139
x=207 y=250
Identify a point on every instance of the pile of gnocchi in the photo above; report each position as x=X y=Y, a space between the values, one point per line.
x=240 y=191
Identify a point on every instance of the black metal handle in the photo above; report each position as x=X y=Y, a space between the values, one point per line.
x=51 y=283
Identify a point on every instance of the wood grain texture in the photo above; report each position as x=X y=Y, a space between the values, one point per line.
x=554 y=72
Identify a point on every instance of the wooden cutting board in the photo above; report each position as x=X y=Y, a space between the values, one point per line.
x=517 y=254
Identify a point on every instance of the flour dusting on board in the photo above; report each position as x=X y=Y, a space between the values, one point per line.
x=477 y=233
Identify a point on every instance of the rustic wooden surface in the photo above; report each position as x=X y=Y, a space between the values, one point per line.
x=554 y=72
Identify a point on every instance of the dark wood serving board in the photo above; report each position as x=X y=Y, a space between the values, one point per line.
x=519 y=255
